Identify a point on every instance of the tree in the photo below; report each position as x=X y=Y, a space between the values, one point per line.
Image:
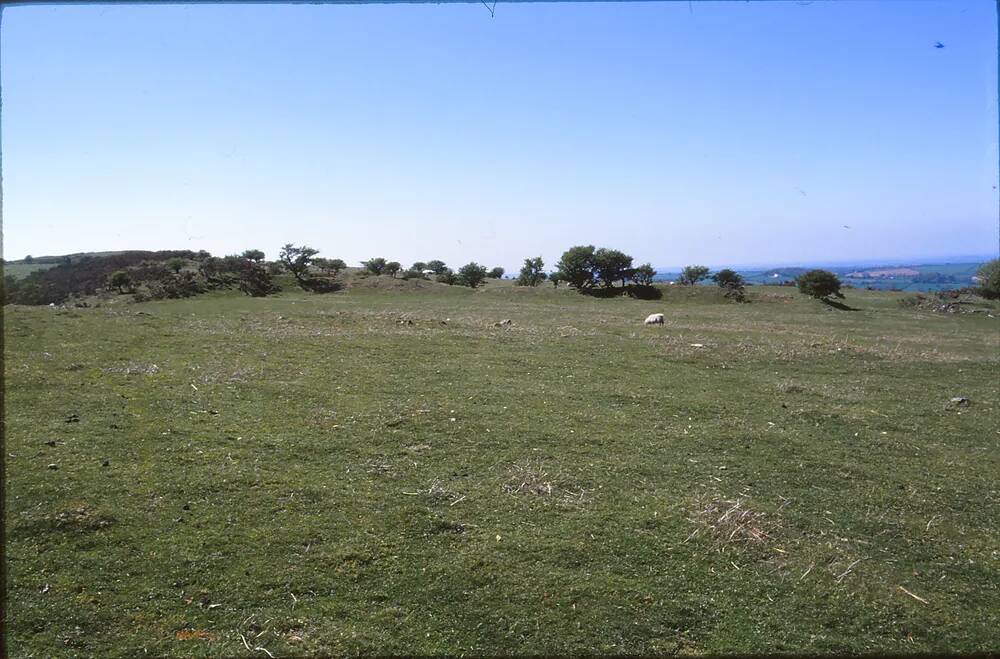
x=819 y=284
x=331 y=267
x=438 y=267
x=392 y=267
x=472 y=274
x=989 y=279
x=297 y=260
x=576 y=267
x=375 y=266
x=643 y=275
x=731 y=282
x=120 y=279
x=692 y=274
x=419 y=266
x=254 y=255
x=495 y=273
x=29 y=259
x=611 y=265
x=176 y=264
x=532 y=272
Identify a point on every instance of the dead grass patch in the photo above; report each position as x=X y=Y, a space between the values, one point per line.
x=133 y=368
x=733 y=522
x=535 y=479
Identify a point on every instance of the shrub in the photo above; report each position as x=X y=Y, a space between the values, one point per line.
x=447 y=277
x=819 y=284
x=531 y=272
x=392 y=267
x=692 y=274
x=375 y=266
x=495 y=273
x=731 y=282
x=120 y=279
x=176 y=264
x=989 y=279
x=472 y=274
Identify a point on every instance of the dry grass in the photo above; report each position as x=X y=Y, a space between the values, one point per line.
x=733 y=522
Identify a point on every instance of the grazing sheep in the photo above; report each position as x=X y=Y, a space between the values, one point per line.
x=654 y=319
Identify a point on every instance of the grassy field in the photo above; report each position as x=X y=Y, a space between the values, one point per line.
x=389 y=471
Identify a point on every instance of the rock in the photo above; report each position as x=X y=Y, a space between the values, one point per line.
x=106 y=463
x=506 y=322
x=959 y=401
x=51 y=442
x=53 y=466
x=73 y=418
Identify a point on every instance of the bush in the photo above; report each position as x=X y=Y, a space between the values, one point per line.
x=731 y=282
x=495 y=273
x=375 y=266
x=989 y=279
x=446 y=277
x=392 y=267
x=120 y=279
x=532 y=273
x=819 y=284
x=472 y=275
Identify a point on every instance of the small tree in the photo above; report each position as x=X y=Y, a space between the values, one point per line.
x=576 y=267
x=692 y=274
x=176 y=264
x=392 y=267
x=29 y=259
x=375 y=266
x=254 y=255
x=472 y=274
x=331 y=267
x=438 y=267
x=989 y=279
x=120 y=279
x=819 y=284
x=611 y=265
x=495 y=273
x=297 y=261
x=643 y=275
x=532 y=272
x=731 y=282
x=419 y=266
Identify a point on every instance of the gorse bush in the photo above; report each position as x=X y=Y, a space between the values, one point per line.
x=819 y=284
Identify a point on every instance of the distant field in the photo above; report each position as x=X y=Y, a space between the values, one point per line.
x=388 y=471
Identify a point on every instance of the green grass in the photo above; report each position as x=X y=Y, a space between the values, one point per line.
x=22 y=270
x=313 y=476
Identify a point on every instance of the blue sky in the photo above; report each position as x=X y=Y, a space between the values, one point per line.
x=716 y=133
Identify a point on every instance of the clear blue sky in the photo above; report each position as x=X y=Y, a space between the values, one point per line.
x=716 y=133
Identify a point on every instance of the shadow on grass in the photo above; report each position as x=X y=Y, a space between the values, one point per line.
x=838 y=305
x=319 y=285
x=632 y=290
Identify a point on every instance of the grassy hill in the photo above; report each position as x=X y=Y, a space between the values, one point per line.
x=389 y=471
